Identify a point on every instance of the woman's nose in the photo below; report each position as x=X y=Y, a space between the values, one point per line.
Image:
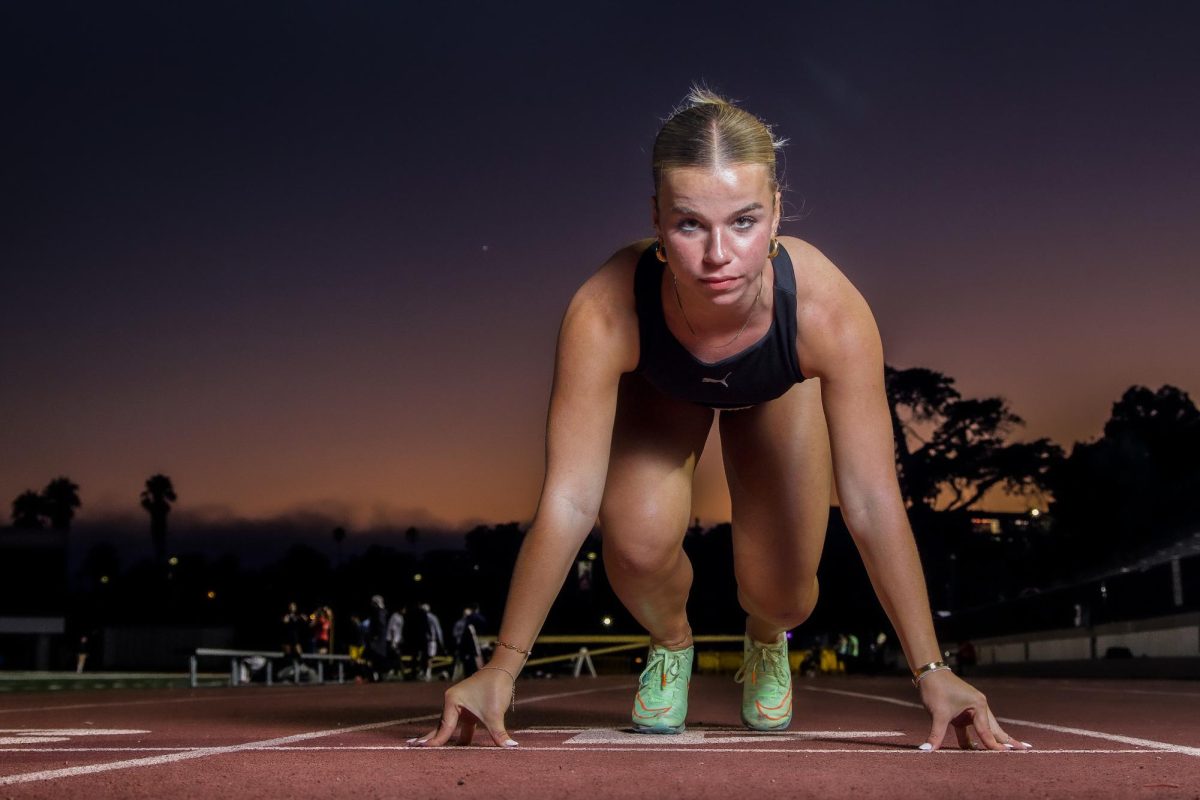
x=717 y=252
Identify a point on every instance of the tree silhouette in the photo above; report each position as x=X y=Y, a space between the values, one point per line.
x=60 y=499
x=156 y=499
x=411 y=535
x=951 y=450
x=28 y=509
x=1137 y=484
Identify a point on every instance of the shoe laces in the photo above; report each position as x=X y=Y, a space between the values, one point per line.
x=666 y=663
x=763 y=660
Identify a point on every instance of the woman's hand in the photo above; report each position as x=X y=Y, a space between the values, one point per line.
x=952 y=701
x=483 y=697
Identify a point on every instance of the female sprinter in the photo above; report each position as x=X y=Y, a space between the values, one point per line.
x=718 y=314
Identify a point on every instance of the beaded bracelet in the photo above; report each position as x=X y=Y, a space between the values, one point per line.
x=525 y=653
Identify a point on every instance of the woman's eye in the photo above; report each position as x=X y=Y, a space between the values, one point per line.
x=742 y=223
x=689 y=225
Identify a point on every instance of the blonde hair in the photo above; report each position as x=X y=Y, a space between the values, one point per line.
x=707 y=130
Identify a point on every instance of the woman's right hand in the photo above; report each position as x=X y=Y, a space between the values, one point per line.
x=481 y=698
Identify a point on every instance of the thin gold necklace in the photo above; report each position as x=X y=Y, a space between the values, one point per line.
x=746 y=324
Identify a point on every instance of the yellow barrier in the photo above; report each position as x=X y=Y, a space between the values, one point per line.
x=707 y=660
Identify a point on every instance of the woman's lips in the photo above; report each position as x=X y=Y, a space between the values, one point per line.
x=719 y=283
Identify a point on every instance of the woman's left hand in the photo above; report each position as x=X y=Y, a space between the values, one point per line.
x=952 y=701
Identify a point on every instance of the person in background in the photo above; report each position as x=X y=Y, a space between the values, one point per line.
x=434 y=642
x=395 y=641
x=322 y=630
x=356 y=641
x=376 y=635
x=416 y=636
x=81 y=654
x=468 y=656
x=295 y=633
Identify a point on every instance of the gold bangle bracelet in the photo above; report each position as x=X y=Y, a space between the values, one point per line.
x=925 y=669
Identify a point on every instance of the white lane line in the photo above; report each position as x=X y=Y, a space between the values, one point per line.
x=605 y=736
x=1112 y=737
x=95 y=749
x=121 y=704
x=741 y=751
x=203 y=752
x=1098 y=689
x=489 y=748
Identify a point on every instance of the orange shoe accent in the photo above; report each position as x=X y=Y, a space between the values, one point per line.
x=654 y=712
x=787 y=698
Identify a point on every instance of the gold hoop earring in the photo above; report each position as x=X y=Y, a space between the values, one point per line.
x=774 y=251
x=659 y=252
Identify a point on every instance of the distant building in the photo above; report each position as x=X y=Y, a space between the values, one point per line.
x=1009 y=525
x=33 y=599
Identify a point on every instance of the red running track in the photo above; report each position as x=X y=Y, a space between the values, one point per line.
x=850 y=736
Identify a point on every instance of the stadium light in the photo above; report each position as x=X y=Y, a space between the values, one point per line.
x=173 y=561
x=418 y=577
x=591 y=556
x=212 y=595
x=606 y=621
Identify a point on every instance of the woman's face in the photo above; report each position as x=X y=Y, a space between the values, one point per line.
x=716 y=225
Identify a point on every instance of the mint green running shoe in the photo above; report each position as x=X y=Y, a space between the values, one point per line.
x=660 y=705
x=766 y=679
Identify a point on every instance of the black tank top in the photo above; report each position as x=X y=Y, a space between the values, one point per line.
x=761 y=372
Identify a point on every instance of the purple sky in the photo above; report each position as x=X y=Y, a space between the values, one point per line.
x=306 y=256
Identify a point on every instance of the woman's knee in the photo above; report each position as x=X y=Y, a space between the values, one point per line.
x=638 y=558
x=783 y=607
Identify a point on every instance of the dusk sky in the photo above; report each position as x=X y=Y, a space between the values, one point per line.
x=313 y=256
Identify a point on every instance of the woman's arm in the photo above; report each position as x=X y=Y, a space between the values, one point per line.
x=592 y=355
x=860 y=437
x=597 y=343
x=843 y=349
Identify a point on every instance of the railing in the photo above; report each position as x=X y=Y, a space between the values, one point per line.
x=298 y=666
x=580 y=657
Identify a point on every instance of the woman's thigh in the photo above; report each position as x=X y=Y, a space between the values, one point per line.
x=779 y=470
x=657 y=441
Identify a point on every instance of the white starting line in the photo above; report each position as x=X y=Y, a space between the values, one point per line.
x=706 y=740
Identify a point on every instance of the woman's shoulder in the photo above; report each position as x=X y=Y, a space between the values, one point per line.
x=819 y=283
x=609 y=290
x=603 y=313
x=831 y=313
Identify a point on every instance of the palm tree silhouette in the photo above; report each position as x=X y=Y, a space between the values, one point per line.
x=156 y=499
x=61 y=498
x=28 y=510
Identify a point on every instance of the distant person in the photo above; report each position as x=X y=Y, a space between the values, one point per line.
x=435 y=642
x=468 y=655
x=395 y=641
x=355 y=639
x=850 y=655
x=718 y=314
x=295 y=631
x=322 y=630
x=416 y=641
x=295 y=634
x=81 y=653
x=376 y=625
